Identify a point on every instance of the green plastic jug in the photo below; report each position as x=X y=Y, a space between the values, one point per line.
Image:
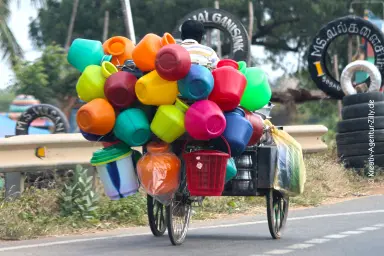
x=168 y=123
x=231 y=170
x=242 y=67
x=257 y=93
x=90 y=85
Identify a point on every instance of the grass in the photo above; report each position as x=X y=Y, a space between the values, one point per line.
x=37 y=213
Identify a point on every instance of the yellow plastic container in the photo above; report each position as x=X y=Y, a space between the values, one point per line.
x=151 y=89
x=168 y=123
x=90 y=85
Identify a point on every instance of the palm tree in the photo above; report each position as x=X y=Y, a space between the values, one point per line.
x=8 y=43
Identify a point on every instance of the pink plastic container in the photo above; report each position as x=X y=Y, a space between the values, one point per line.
x=229 y=85
x=204 y=120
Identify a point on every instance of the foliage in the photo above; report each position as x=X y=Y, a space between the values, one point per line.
x=6 y=97
x=50 y=78
x=78 y=197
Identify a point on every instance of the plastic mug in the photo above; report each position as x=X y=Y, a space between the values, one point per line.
x=198 y=83
x=120 y=48
x=90 y=85
x=84 y=52
x=96 y=117
x=132 y=127
x=151 y=89
x=116 y=169
x=173 y=62
x=119 y=89
x=168 y=123
x=204 y=120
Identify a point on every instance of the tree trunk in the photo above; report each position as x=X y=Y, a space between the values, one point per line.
x=219 y=52
x=250 y=26
x=71 y=24
x=106 y=25
x=125 y=17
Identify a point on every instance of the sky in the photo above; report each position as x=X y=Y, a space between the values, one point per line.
x=20 y=18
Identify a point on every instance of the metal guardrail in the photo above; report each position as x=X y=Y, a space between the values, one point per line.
x=18 y=154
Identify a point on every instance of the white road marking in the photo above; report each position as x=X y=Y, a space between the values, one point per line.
x=71 y=241
x=352 y=232
x=379 y=225
x=276 y=252
x=368 y=228
x=336 y=236
x=317 y=241
x=300 y=246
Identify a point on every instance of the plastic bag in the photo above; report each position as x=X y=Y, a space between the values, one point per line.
x=159 y=172
x=290 y=175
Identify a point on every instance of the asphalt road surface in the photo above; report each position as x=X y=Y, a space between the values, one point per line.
x=354 y=227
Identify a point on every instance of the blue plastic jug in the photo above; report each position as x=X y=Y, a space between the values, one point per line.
x=198 y=83
x=238 y=132
x=84 y=52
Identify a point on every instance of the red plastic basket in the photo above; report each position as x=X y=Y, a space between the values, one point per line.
x=205 y=171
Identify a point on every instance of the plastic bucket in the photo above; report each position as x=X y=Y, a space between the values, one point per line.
x=120 y=48
x=204 y=120
x=119 y=89
x=231 y=170
x=110 y=137
x=116 y=169
x=132 y=127
x=84 y=52
x=198 y=83
x=96 y=117
x=173 y=62
x=229 y=85
x=257 y=127
x=257 y=93
x=151 y=89
x=168 y=123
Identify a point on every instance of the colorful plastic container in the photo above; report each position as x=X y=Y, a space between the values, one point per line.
x=90 y=85
x=198 y=83
x=257 y=93
x=96 y=117
x=173 y=62
x=116 y=169
x=238 y=132
x=132 y=127
x=84 y=52
x=151 y=89
x=168 y=123
x=229 y=85
x=231 y=170
x=120 y=48
x=144 y=54
x=110 y=137
x=129 y=66
x=204 y=120
x=119 y=89
x=242 y=67
x=257 y=127
x=159 y=170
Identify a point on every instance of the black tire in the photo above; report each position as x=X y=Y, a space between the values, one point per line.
x=181 y=208
x=363 y=161
x=359 y=137
x=348 y=25
x=156 y=216
x=58 y=118
x=277 y=212
x=360 y=124
x=363 y=110
x=359 y=98
x=359 y=149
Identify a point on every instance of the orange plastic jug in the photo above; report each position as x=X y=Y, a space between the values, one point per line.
x=144 y=54
x=120 y=48
x=151 y=89
x=96 y=117
x=159 y=169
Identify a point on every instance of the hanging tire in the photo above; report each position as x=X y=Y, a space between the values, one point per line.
x=363 y=110
x=360 y=137
x=363 y=161
x=360 y=149
x=359 y=98
x=360 y=124
x=348 y=25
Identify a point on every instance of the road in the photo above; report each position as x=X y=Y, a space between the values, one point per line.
x=354 y=227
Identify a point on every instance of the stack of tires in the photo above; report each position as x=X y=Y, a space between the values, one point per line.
x=360 y=134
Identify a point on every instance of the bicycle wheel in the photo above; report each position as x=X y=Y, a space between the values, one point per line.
x=178 y=217
x=156 y=216
x=277 y=212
